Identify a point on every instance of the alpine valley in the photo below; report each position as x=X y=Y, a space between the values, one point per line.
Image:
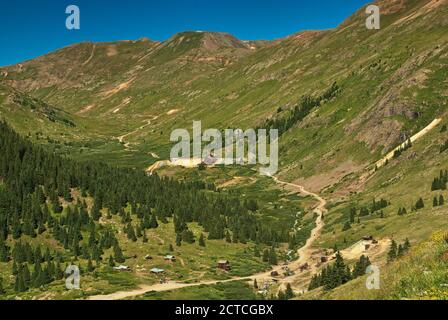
x=86 y=181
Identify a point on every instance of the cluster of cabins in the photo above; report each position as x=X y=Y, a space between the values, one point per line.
x=221 y=265
x=369 y=239
x=169 y=258
x=225 y=265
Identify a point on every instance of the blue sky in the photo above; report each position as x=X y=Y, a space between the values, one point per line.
x=30 y=28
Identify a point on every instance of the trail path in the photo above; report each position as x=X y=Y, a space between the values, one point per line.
x=127 y=144
x=370 y=171
x=91 y=56
x=304 y=253
x=414 y=138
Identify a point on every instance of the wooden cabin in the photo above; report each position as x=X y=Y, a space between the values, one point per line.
x=224 y=265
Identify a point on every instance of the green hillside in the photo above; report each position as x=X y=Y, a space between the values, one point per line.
x=421 y=275
x=342 y=100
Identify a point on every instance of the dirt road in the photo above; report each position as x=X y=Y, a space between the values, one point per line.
x=127 y=144
x=414 y=138
x=304 y=254
x=161 y=287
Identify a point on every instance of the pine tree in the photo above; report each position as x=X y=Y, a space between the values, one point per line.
x=352 y=215
x=255 y=284
x=360 y=267
x=19 y=285
x=90 y=267
x=289 y=293
x=59 y=273
x=347 y=226
x=15 y=269
x=202 y=240
x=47 y=256
x=118 y=254
x=138 y=231
x=420 y=204
x=336 y=274
x=36 y=278
x=40 y=196
x=16 y=228
x=92 y=238
x=266 y=255
x=2 y=290
x=38 y=255
x=281 y=295
x=178 y=240
x=153 y=224
x=400 y=251
x=273 y=256
x=57 y=208
x=435 y=202
x=188 y=236
x=441 y=200
x=341 y=274
x=4 y=251
x=26 y=275
x=256 y=252
x=111 y=261
x=392 y=255
x=131 y=232
x=407 y=245
x=228 y=237
x=96 y=213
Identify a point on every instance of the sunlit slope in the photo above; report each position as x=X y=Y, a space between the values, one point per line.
x=391 y=85
x=420 y=275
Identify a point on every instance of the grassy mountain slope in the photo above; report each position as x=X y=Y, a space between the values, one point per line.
x=118 y=103
x=421 y=275
x=402 y=182
x=29 y=114
x=387 y=79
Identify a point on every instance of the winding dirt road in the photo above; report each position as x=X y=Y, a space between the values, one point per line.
x=305 y=251
x=127 y=144
x=304 y=254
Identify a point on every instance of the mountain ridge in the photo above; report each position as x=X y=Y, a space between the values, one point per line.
x=202 y=71
x=362 y=115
